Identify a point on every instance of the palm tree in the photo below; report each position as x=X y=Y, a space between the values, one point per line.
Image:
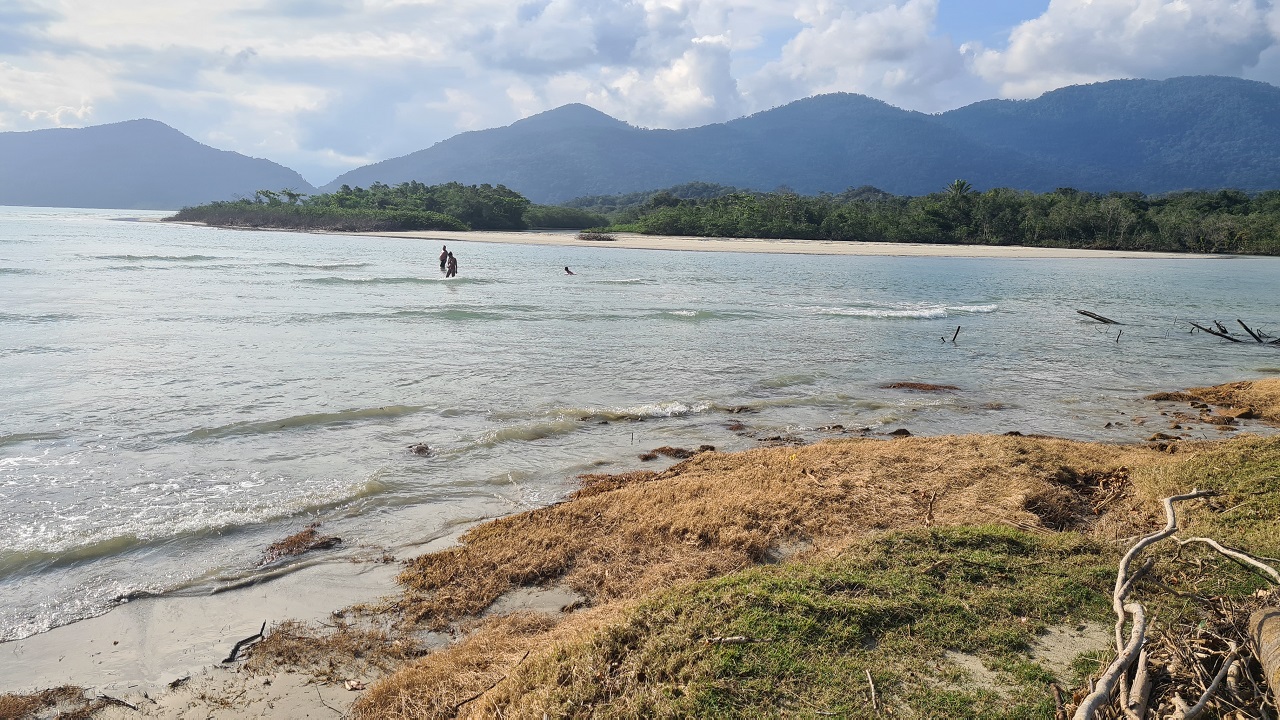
x=959 y=188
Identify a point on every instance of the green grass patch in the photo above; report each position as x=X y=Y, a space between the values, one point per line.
x=892 y=606
x=1246 y=473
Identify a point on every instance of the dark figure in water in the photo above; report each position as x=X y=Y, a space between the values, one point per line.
x=452 y=269
x=567 y=271
x=444 y=256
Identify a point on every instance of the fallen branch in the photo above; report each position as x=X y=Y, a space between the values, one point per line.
x=1215 y=332
x=1099 y=318
x=1190 y=713
x=1127 y=653
x=235 y=651
x=1242 y=558
x=1252 y=334
x=117 y=701
x=1101 y=695
x=732 y=640
x=1136 y=707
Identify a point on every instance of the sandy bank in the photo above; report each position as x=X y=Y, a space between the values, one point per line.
x=787 y=247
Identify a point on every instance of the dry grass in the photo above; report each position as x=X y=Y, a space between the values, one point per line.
x=1247 y=399
x=441 y=684
x=630 y=535
x=65 y=702
x=1259 y=398
x=332 y=653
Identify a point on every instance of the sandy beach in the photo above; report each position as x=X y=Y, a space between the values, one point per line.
x=632 y=241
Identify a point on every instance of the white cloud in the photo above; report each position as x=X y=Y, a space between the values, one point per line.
x=321 y=85
x=1079 y=41
x=886 y=49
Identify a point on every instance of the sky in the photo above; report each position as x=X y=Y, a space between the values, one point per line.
x=323 y=86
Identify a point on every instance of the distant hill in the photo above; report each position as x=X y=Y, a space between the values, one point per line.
x=824 y=143
x=1148 y=135
x=1152 y=136
x=139 y=164
x=1145 y=135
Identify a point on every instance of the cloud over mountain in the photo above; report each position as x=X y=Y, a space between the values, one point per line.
x=326 y=85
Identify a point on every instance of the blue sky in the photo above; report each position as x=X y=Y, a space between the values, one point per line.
x=326 y=85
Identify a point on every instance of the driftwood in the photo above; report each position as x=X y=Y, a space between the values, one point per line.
x=1099 y=318
x=1264 y=634
x=1222 y=335
x=117 y=701
x=1134 y=693
x=1252 y=334
x=235 y=651
x=1222 y=332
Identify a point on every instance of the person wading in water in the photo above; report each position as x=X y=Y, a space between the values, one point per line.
x=444 y=256
x=452 y=270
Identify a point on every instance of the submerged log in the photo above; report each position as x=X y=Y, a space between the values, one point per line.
x=1252 y=334
x=1099 y=318
x=1215 y=332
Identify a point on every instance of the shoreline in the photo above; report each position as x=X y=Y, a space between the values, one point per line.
x=162 y=653
x=633 y=241
x=687 y=243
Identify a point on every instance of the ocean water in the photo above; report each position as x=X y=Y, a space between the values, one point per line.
x=175 y=398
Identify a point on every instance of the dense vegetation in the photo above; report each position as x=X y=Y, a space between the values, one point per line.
x=407 y=206
x=1225 y=221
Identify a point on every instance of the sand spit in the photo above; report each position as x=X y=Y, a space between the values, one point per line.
x=522 y=593
x=634 y=241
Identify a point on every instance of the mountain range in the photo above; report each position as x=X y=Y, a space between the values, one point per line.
x=1144 y=135
x=133 y=165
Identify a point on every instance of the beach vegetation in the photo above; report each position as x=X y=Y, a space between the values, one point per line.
x=64 y=701
x=1223 y=221
x=380 y=207
x=943 y=612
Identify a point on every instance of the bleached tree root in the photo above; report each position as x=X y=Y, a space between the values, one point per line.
x=1132 y=692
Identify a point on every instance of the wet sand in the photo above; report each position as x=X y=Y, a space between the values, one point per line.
x=633 y=241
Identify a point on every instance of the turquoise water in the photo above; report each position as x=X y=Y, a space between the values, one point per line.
x=176 y=398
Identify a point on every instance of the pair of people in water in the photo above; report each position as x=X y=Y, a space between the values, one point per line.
x=448 y=263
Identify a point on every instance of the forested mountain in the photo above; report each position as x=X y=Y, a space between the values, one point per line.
x=828 y=142
x=1146 y=135
x=1124 y=135
x=1128 y=135
x=139 y=164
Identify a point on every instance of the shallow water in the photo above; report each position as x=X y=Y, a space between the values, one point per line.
x=176 y=398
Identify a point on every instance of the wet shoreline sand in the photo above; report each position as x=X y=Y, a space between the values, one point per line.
x=634 y=241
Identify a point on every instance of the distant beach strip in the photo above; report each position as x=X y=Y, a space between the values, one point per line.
x=633 y=241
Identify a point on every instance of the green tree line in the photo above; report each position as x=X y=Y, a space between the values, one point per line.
x=381 y=207
x=1223 y=221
